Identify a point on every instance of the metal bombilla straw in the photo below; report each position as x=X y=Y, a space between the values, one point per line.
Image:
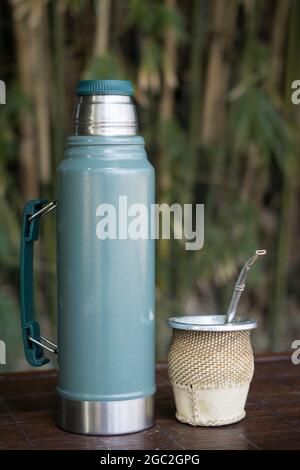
x=240 y=286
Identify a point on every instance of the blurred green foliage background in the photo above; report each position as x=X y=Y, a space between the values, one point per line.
x=213 y=88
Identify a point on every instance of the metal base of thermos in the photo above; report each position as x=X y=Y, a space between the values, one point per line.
x=106 y=417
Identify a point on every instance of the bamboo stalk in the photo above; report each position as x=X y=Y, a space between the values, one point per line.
x=169 y=84
x=58 y=89
x=31 y=29
x=103 y=11
x=278 y=41
x=169 y=69
x=286 y=236
x=41 y=93
x=27 y=151
x=199 y=14
x=199 y=17
x=167 y=99
x=223 y=27
x=223 y=22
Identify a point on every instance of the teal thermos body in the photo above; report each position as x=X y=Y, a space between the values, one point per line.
x=105 y=269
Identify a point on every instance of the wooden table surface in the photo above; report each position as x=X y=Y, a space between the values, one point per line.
x=27 y=415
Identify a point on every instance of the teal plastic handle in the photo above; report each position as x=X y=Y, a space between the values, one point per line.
x=30 y=327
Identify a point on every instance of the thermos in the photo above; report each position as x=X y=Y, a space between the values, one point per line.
x=106 y=353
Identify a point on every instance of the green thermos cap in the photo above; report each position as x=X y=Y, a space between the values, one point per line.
x=104 y=87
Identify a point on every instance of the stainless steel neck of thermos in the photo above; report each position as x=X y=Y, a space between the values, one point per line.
x=105 y=115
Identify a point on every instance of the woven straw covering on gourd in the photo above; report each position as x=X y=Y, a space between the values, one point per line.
x=204 y=359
